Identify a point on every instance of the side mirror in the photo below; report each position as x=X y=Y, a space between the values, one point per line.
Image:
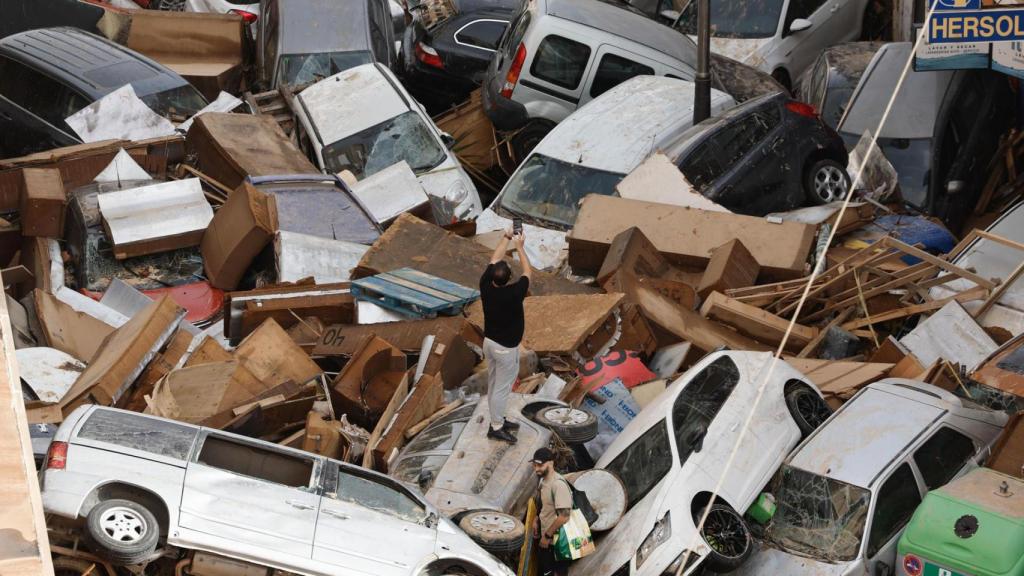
x=448 y=139
x=800 y=24
x=669 y=16
x=955 y=187
x=431 y=520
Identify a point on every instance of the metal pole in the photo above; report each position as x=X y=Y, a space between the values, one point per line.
x=702 y=83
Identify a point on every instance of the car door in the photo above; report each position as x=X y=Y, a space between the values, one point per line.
x=381 y=42
x=371 y=525
x=797 y=50
x=613 y=67
x=473 y=46
x=752 y=148
x=252 y=493
x=553 y=81
x=893 y=506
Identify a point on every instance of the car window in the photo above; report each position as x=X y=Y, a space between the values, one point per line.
x=35 y=92
x=800 y=9
x=942 y=456
x=560 y=61
x=703 y=166
x=699 y=403
x=258 y=462
x=897 y=500
x=441 y=437
x=644 y=463
x=139 y=433
x=510 y=41
x=378 y=37
x=735 y=19
x=482 y=34
x=377 y=495
x=739 y=137
x=614 y=70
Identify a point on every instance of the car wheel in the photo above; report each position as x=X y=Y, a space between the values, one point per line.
x=495 y=532
x=728 y=537
x=168 y=5
x=527 y=138
x=123 y=531
x=807 y=408
x=826 y=181
x=572 y=425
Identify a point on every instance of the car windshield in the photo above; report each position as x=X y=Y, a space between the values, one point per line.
x=817 y=516
x=404 y=137
x=644 y=463
x=304 y=68
x=181 y=102
x=735 y=18
x=550 y=190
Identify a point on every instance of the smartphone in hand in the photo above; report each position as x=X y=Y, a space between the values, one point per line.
x=517 y=226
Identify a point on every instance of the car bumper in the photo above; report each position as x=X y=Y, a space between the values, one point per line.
x=504 y=113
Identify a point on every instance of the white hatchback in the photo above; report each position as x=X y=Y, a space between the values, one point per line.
x=671 y=457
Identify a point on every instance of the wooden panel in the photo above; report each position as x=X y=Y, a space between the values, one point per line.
x=690 y=326
x=273 y=357
x=731 y=266
x=755 y=322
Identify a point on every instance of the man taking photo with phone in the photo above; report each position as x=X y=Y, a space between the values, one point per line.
x=504 y=324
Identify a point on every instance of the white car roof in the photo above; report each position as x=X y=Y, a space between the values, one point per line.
x=872 y=430
x=619 y=129
x=353 y=100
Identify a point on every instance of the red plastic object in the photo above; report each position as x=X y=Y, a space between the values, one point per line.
x=248 y=17
x=802 y=109
x=201 y=301
x=428 y=55
x=626 y=366
x=57 y=456
x=513 y=71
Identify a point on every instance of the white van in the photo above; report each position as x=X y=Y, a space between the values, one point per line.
x=589 y=153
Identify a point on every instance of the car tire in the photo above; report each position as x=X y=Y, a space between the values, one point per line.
x=826 y=181
x=808 y=409
x=527 y=138
x=67 y=566
x=495 y=532
x=168 y=5
x=728 y=538
x=123 y=531
x=572 y=425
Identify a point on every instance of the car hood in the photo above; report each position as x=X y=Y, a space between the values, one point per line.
x=745 y=50
x=451 y=191
x=774 y=561
x=617 y=546
x=545 y=248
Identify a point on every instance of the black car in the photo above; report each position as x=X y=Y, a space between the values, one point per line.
x=49 y=74
x=453 y=54
x=769 y=154
x=830 y=81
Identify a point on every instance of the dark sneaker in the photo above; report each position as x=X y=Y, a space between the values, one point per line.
x=501 y=434
x=511 y=426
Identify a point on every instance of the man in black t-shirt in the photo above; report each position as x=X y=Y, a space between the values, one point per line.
x=503 y=331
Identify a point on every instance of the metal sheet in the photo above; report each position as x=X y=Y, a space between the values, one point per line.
x=122 y=167
x=120 y=115
x=390 y=192
x=48 y=372
x=301 y=256
x=950 y=334
x=150 y=213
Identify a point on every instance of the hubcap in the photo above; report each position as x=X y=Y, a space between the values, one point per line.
x=566 y=416
x=830 y=183
x=493 y=523
x=725 y=533
x=123 y=524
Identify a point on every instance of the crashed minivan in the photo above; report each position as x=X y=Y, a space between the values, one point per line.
x=362 y=121
x=672 y=456
x=136 y=482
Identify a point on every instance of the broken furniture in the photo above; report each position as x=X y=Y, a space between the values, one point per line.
x=155 y=218
x=365 y=386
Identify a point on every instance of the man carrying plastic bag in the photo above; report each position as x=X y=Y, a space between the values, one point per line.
x=563 y=530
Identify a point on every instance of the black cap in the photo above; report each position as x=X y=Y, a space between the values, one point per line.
x=543 y=455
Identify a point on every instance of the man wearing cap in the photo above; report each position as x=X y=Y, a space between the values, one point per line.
x=555 y=507
x=504 y=323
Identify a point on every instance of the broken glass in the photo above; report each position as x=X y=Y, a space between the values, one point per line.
x=299 y=69
x=378 y=497
x=151 y=435
x=550 y=190
x=817 y=516
x=735 y=19
x=699 y=403
x=644 y=463
x=404 y=137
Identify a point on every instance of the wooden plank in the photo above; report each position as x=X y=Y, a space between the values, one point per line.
x=998 y=292
x=913 y=251
x=755 y=322
x=419 y=427
x=967 y=295
x=839 y=380
x=421 y=288
x=846 y=299
x=691 y=326
x=384 y=288
x=423 y=279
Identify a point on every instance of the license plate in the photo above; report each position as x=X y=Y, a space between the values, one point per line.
x=933 y=570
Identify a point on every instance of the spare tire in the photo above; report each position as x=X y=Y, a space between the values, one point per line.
x=572 y=425
x=494 y=531
x=123 y=531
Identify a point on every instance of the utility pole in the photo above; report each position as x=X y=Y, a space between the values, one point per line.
x=702 y=83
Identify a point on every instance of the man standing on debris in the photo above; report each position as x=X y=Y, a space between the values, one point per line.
x=555 y=507
x=503 y=331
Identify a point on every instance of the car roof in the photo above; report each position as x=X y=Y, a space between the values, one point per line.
x=88 y=63
x=694 y=134
x=317 y=26
x=849 y=60
x=870 y=431
x=620 y=128
x=624 y=21
x=916 y=107
x=353 y=100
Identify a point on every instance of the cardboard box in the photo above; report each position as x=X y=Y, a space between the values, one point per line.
x=273 y=357
x=229 y=147
x=686 y=236
x=365 y=386
x=197 y=393
x=155 y=218
x=239 y=231
x=43 y=203
x=205 y=48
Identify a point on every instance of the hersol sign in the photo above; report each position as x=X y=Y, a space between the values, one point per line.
x=976 y=21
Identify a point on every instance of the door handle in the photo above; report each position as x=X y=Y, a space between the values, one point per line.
x=338 y=515
x=299 y=505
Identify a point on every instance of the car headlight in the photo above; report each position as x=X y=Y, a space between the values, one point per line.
x=659 y=535
x=458 y=192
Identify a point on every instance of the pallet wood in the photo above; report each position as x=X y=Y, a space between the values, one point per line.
x=813 y=345
x=414 y=293
x=967 y=295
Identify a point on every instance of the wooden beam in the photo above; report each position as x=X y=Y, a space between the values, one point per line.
x=911 y=250
x=843 y=300
x=965 y=296
x=755 y=322
x=998 y=292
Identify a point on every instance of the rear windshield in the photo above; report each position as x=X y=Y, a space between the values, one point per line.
x=735 y=18
x=137 y=432
x=176 y=103
x=304 y=68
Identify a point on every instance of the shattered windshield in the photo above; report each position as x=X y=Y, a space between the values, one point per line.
x=698 y=404
x=644 y=463
x=735 y=18
x=550 y=190
x=404 y=137
x=817 y=516
x=304 y=68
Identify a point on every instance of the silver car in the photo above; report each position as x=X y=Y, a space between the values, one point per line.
x=138 y=480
